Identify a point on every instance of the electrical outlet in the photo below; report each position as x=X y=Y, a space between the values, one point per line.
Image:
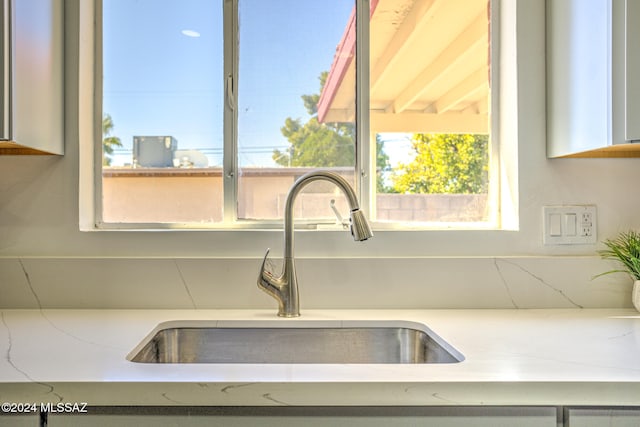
x=569 y=225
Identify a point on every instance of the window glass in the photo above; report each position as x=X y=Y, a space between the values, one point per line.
x=429 y=109
x=162 y=111
x=289 y=53
x=293 y=97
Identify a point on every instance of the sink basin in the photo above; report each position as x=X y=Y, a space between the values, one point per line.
x=294 y=342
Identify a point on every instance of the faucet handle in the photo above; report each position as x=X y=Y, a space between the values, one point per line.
x=266 y=281
x=263 y=268
x=339 y=220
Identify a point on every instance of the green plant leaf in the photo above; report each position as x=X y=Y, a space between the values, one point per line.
x=625 y=249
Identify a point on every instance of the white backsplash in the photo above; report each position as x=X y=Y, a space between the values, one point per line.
x=386 y=283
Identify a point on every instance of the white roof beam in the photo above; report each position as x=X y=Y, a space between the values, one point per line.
x=416 y=122
x=474 y=34
x=474 y=83
x=417 y=18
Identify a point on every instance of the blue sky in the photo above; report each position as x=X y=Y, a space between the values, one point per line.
x=159 y=81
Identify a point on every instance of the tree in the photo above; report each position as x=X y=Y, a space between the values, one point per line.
x=314 y=143
x=445 y=163
x=108 y=141
x=382 y=166
x=318 y=144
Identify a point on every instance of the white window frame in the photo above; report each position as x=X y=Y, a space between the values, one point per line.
x=503 y=157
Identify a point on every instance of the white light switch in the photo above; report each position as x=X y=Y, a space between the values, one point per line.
x=569 y=225
x=555 y=224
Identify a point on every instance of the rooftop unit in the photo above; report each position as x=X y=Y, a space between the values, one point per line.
x=154 y=151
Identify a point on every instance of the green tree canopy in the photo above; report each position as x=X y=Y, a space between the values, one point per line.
x=314 y=143
x=445 y=163
x=318 y=144
x=108 y=141
x=382 y=166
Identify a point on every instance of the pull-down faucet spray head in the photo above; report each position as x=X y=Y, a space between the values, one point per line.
x=284 y=288
x=360 y=228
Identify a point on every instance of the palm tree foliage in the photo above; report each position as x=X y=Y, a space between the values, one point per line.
x=108 y=141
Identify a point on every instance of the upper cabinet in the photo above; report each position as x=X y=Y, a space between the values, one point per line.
x=593 y=88
x=31 y=84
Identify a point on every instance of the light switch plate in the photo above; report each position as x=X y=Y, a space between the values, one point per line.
x=569 y=225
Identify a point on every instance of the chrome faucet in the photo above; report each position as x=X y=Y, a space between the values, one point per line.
x=285 y=287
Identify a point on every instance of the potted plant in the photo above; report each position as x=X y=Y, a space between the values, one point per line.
x=625 y=249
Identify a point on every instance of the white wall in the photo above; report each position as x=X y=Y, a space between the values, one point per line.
x=39 y=225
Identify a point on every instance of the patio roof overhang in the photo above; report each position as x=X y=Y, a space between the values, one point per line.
x=428 y=68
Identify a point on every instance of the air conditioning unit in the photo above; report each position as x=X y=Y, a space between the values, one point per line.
x=154 y=151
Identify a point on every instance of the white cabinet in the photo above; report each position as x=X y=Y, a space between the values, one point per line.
x=313 y=417
x=451 y=416
x=31 y=84
x=632 y=68
x=19 y=420
x=597 y=417
x=593 y=90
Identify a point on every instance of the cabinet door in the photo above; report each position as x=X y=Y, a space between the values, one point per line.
x=597 y=417
x=31 y=81
x=19 y=420
x=5 y=70
x=632 y=70
x=313 y=417
x=579 y=67
x=593 y=90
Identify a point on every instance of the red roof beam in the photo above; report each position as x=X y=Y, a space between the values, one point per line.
x=345 y=52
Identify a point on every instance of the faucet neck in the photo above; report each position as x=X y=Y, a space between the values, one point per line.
x=284 y=288
x=302 y=182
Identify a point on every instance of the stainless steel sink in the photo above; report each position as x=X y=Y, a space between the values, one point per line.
x=341 y=343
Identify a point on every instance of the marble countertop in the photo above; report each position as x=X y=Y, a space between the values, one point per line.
x=512 y=357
